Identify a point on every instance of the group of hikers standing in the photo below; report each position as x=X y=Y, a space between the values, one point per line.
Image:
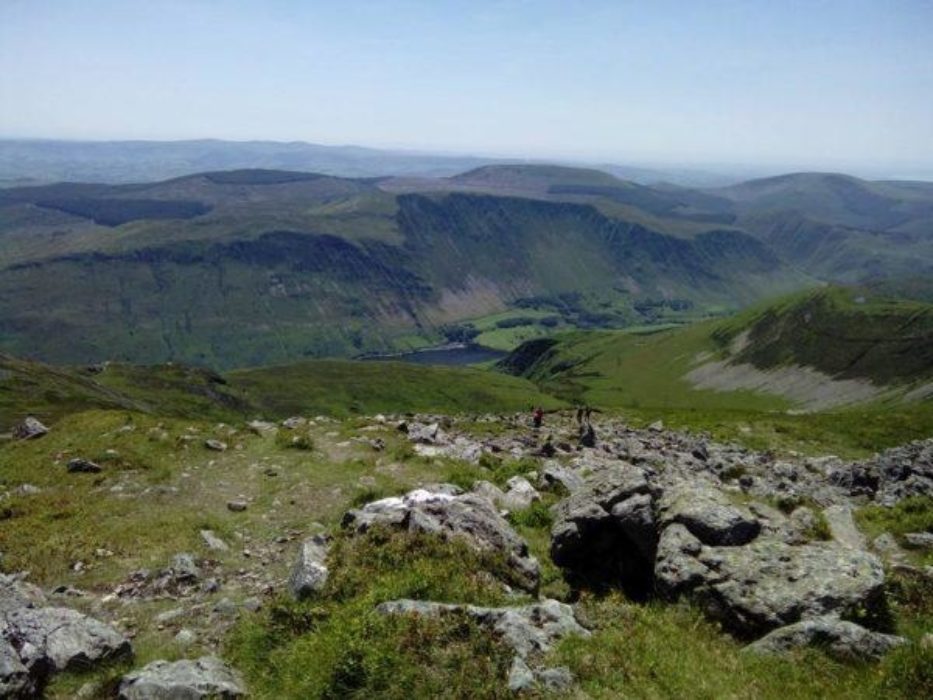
x=585 y=432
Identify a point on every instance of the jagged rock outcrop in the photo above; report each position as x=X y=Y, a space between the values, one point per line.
x=845 y=641
x=207 y=677
x=444 y=511
x=529 y=630
x=890 y=476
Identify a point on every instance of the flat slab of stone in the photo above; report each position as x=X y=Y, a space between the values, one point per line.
x=844 y=641
x=207 y=677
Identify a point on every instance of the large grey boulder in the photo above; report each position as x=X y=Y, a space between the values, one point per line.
x=604 y=532
x=529 y=630
x=468 y=517
x=767 y=584
x=309 y=574
x=845 y=641
x=207 y=677
x=708 y=514
x=65 y=638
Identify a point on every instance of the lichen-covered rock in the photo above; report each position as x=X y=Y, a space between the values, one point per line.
x=15 y=679
x=309 y=573
x=16 y=593
x=707 y=513
x=891 y=476
x=207 y=677
x=468 y=517
x=554 y=475
x=767 y=584
x=604 y=532
x=64 y=637
x=845 y=641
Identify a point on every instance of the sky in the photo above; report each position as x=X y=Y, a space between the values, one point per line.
x=804 y=84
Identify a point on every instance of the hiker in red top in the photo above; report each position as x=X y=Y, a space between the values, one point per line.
x=537 y=417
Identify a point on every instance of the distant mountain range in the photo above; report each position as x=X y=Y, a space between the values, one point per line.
x=254 y=266
x=39 y=161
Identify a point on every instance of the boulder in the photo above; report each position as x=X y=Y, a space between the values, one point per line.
x=767 y=584
x=309 y=573
x=64 y=638
x=184 y=569
x=554 y=475
x=708 y=514
x=520 y=494
x=603 y=532
x=29 y=429
x=844 y=641
x=426 y=434
x=78 y=465
x=468 y=517
x=189 y=679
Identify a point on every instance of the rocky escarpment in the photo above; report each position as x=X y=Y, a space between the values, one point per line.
x=765 y=546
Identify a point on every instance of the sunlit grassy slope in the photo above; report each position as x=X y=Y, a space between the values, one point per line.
x=843 y=333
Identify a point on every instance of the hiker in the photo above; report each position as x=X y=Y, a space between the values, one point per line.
x=537 y=417
x=587 y=436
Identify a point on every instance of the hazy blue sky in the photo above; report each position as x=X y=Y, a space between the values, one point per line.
x=801 y=83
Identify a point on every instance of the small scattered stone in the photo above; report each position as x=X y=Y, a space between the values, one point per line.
x=213 y=542
x=216 y=445
x=185 y=638
x=78 y=465
x=225 y=607
x=237 y=505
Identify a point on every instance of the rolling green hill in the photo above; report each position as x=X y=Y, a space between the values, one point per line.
x=838 y=227
x=255 y=267
x=839 y=366
x=330 y=387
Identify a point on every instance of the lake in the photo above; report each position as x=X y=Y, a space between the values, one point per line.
x=454 y=354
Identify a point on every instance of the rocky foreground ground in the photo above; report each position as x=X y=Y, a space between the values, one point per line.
x=766 y=546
